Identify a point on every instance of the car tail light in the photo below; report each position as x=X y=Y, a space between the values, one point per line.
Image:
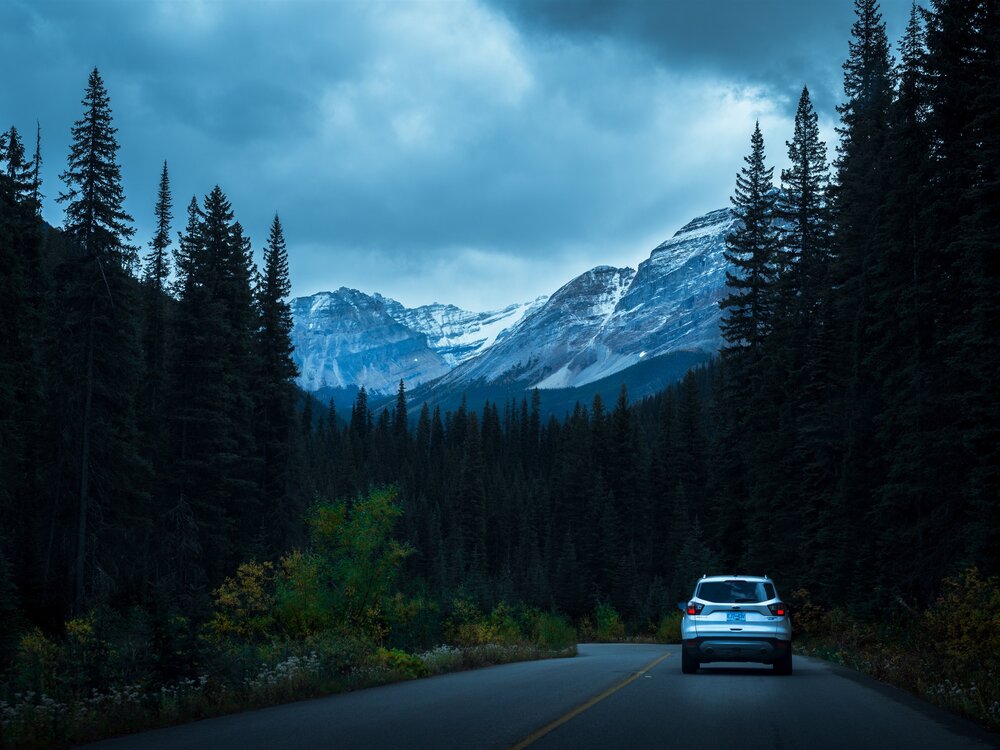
x=779 y=609
x=694 y=608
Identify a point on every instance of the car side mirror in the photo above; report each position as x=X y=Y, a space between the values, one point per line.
x=682 y=606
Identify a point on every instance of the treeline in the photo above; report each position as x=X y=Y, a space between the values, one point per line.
x=146 y=403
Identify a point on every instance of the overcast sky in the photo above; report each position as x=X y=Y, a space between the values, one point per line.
x=459 y=151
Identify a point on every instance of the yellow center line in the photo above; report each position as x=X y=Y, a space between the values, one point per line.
x=539 y=733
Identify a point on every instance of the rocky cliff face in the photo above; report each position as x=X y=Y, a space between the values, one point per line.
x=542 y=344
x=347 y=337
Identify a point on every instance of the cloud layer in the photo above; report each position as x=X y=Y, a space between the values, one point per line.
x=456 y=151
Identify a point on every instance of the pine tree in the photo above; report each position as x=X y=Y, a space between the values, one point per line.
x=276 y=394
x=36 y=168
x=801 y=206
x=400 y=422
x=752 y=249
x=975 y=248
x=156 y=274
x=95 y=217
x=101 y=366
x=856 y=195
x=18 y=171
x=899 y=332
x=215 y=471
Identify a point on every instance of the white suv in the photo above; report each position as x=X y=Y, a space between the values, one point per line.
x=736 y=618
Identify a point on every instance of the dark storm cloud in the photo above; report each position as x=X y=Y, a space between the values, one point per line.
x=456 y=150
x=783 y=44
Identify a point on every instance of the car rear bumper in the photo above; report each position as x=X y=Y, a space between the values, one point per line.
x=736 y=648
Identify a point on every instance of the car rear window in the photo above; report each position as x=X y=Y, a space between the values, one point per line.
x=735 y=592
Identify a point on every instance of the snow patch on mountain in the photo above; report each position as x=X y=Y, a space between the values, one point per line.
x=547 y=338
x=349 y=338
x=457 y=334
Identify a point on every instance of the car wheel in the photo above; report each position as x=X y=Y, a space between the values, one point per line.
x=689 y=665
x=784 y=664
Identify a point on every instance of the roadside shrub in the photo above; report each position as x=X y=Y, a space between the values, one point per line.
x=609 y=623
x=553 y=632
x=467 y=626
x=401 y=663
x=965 y=619
x=669 y=629
x=808 y=617
x=244 y=604
x=36 y=662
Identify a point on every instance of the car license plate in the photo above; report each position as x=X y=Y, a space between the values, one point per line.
x=736 y=616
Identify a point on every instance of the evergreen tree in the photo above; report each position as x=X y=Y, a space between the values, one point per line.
x=19 y=172
x=400 y=422
x=156 y=274
x=276 y=394
x=36 y=168
x=801 y=206
x=977 y=240
x=216 y=470
x=101 y=362
x=752 y=249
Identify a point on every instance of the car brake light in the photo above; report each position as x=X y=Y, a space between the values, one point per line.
x=778 y=610
x=695 y=608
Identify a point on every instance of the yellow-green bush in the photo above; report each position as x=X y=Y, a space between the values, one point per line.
x=467 y=625
x=609 y=623
x=965 y=619
x=36 y=661
x=669 y=628
x=404 y=664
x=244 y=604
x=553 y=632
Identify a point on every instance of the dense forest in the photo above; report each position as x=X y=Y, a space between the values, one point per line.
x=845 y=441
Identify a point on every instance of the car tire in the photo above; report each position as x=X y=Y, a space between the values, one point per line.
x=689 y=665
x=783 y=665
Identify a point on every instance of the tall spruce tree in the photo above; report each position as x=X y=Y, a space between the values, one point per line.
x=155 y=277
x=752 y=249
x=856 y=195
x=36 y=169
x=100 y=365
x=20 y=173
x=960 y=70
x=276 y=394
x=801 y=205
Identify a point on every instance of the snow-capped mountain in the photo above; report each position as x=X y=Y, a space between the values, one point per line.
x=671 y=305
x=349 y=338
x=609 y=319
x=546 y=340
x=600 y=323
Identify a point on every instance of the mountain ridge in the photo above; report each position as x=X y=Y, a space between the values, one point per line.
x=601 y=322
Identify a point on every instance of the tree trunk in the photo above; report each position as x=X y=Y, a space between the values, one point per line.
x=81 y=537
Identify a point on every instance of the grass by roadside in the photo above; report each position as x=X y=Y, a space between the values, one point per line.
x=243 y=679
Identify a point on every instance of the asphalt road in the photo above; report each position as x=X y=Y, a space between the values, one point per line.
x=610 y=696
